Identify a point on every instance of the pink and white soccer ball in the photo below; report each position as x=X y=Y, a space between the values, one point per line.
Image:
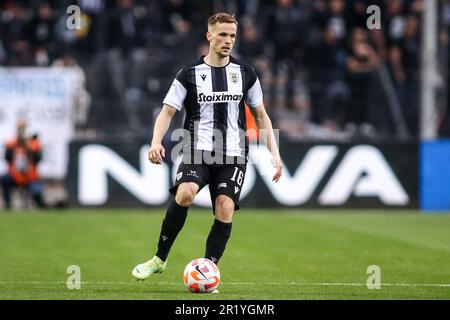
x=201 y=276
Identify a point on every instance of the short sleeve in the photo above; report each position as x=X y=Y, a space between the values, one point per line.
x=176 y=95
x=178 y=90
x=254 y=95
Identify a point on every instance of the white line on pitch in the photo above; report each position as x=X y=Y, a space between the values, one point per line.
x=338 y=284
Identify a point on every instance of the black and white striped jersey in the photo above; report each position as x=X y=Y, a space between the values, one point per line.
x=214 y=98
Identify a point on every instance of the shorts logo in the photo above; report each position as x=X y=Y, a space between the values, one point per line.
x=193 y=173
x=234 y=77
x=236 y=190
x=222 y=185
x=179 y=174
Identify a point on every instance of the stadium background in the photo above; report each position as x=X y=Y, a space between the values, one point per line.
x=348 y=101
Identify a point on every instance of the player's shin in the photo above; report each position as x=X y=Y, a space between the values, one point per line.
x=217 y=240
x=171 y=226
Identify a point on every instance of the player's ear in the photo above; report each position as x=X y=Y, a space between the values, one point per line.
x=209 y=36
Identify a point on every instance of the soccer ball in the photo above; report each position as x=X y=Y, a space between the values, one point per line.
x=201 y=276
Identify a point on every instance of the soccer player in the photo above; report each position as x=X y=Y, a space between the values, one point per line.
x=213 y=91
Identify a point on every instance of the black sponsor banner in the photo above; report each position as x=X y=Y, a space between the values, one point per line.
x=315 y=175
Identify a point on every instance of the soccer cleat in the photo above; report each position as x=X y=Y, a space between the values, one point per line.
x=215 y=291
x=144 y=270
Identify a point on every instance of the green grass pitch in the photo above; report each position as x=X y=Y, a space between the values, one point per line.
x=272 y=254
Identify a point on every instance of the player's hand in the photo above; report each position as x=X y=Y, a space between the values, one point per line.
x=276 y=161
x=156 y=153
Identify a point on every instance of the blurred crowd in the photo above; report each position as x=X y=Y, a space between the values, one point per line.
x=324 y=73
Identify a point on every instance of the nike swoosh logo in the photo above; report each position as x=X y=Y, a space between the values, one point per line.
x=199 y=271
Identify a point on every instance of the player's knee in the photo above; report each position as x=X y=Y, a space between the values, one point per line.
x=185 y=196
x=225 y=209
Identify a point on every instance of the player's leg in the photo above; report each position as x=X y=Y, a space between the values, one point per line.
x=225 y=189
x=190 y=179
x=175 y=217
x=221 y=228
x=172 y=224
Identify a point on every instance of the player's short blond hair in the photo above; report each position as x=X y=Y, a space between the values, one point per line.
x=221 y=17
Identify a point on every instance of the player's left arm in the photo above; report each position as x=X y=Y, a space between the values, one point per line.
x=264 y=124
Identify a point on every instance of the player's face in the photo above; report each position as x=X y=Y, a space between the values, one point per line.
x=221 y=38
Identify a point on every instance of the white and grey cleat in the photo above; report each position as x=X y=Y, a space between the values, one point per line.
x=144 y=270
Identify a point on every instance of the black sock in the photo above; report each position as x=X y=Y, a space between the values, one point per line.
x=171 y=226
x=217 y=240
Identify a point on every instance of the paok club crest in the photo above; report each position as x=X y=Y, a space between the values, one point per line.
x=234 y=77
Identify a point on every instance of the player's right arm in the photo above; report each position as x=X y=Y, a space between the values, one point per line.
x=172 y=103
x=162 y=123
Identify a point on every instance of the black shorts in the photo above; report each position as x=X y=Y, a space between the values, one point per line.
x=226 y=179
